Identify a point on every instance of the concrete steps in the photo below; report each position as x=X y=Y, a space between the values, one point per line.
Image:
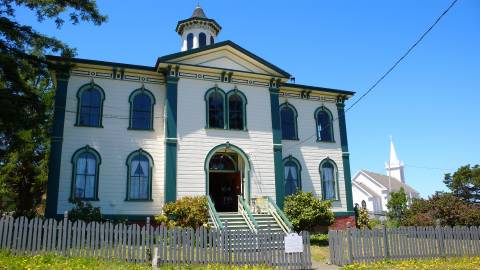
x=237 y=222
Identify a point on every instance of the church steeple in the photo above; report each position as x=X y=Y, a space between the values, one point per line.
x=198 y=30
x=394 y=166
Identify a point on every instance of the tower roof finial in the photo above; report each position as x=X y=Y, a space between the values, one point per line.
x=198 y=12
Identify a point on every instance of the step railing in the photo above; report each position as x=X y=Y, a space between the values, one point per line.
x=217 y=222
x=244 y=209
x=279 y=216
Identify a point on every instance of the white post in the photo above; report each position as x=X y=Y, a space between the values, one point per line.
x=155 y=258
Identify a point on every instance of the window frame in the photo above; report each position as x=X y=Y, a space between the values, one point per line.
x=244 y=108
x=295 y=116
x=207 y=107
x=128 y=163
x=315 y=115
x=291 y=158
x=80 y=91
x=98 y=159
x=190 y=46
x=336 y=180
x=152 y=113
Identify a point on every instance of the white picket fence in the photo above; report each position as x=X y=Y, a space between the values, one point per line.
x=355 y=245
x=141 y=244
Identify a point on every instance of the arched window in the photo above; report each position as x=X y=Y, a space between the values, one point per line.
x=215 y=98
x=324 y=123
x=292 y=172
x=212 y=41
x=222 y=162
x=86 y=162
x=141 y=109
x=139 y=186
x=189 y=41
x=329 y=179
x=237 y=114
x=90 y=105
x=288 y=118
x=202 y=40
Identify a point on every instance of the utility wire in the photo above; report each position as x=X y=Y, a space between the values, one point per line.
x=377 y=82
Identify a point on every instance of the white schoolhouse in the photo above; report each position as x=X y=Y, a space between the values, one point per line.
x=213 y=119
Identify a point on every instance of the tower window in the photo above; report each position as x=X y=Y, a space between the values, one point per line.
x=189 y=41
x=202 y=40
x=211 y=40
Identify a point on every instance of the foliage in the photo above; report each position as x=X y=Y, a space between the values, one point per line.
x=397 y=205
x=162 y=219
x=448 y=209
x=362 y=221
x=374 y=223
x=56 y=262
x=26 y=97
x=305 y=211
x=459 y=263
x=319 y=239
x=465 y=183
x=187 y=212
x=84 y=211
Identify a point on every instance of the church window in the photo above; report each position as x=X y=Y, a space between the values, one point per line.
x=189 y=41
x=292 y=169
x=236 y=110
x=139 y=186
x=288 y=118
x=202 y=40
x=86 y=162
x=324 y=124
x=212 y=41
x=90 y=105
x=141 y=109
x=215 y=98
x=222 y=162
x=329 y=180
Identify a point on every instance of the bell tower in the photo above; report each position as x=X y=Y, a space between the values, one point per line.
x=394 y=167
x=198 y=30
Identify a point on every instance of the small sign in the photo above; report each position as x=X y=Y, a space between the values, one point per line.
x=293 y=243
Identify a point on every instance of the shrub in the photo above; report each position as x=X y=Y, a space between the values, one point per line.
x=305 y=211
x=187 y=212
x=363 y=222
x=397 y=205
x=320 y=239
x=84 y=211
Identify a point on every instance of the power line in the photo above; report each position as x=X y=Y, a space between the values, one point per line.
x=377 y=82
x=428 y=168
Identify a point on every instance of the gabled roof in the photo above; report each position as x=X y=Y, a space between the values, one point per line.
x=394 y=182
x=365 y=188
x=173 y=58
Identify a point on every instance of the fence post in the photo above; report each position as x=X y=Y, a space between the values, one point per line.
x=350 y=243
x=386 y=251
x=440 y=239
x=64 y=234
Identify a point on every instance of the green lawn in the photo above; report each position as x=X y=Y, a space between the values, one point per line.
x=462 y=263
x=56 y=262
x=320 y=253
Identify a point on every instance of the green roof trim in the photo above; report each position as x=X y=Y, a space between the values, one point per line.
x=317 y=88
x=97 y=62
x=168 y=57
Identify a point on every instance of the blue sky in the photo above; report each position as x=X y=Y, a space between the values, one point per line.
x=430 y=104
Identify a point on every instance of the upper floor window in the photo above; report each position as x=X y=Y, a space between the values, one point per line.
x=329 y=180
x=141 y=109
x=292 y=169
x=202 y=40
x=236 y=110
x=324 y=123
x=90 y=105
x=139 y=185
x=212 y=41
x=86 y=163
x=189 y=41
x=288 y=120
x=215 y=98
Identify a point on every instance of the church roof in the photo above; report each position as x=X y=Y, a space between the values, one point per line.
x=367 y=189
x=394 y=182
x=198 y=13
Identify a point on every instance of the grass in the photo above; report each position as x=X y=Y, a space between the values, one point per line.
x=320 y=253
x=9 y=261
x=461 y=263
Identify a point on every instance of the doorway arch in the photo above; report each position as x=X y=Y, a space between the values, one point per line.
x=227 y=165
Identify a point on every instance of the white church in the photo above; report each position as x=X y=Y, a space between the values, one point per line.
x=213 y=119
x=372 y=189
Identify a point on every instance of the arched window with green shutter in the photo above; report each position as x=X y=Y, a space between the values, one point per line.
x=292 y=175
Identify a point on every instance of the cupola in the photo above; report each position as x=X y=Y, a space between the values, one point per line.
x=198 y=30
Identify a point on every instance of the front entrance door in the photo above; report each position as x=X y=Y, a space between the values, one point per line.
x=224 y=187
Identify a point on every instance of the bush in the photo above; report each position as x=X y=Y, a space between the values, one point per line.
x=320 y=239
x=186 y=212
x=84 y=211
x=305 y=211
x=397 y=205
x=363 y=221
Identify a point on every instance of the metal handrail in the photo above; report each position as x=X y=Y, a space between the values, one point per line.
x=282 y=218
x=244 y=206
x=213 y=214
